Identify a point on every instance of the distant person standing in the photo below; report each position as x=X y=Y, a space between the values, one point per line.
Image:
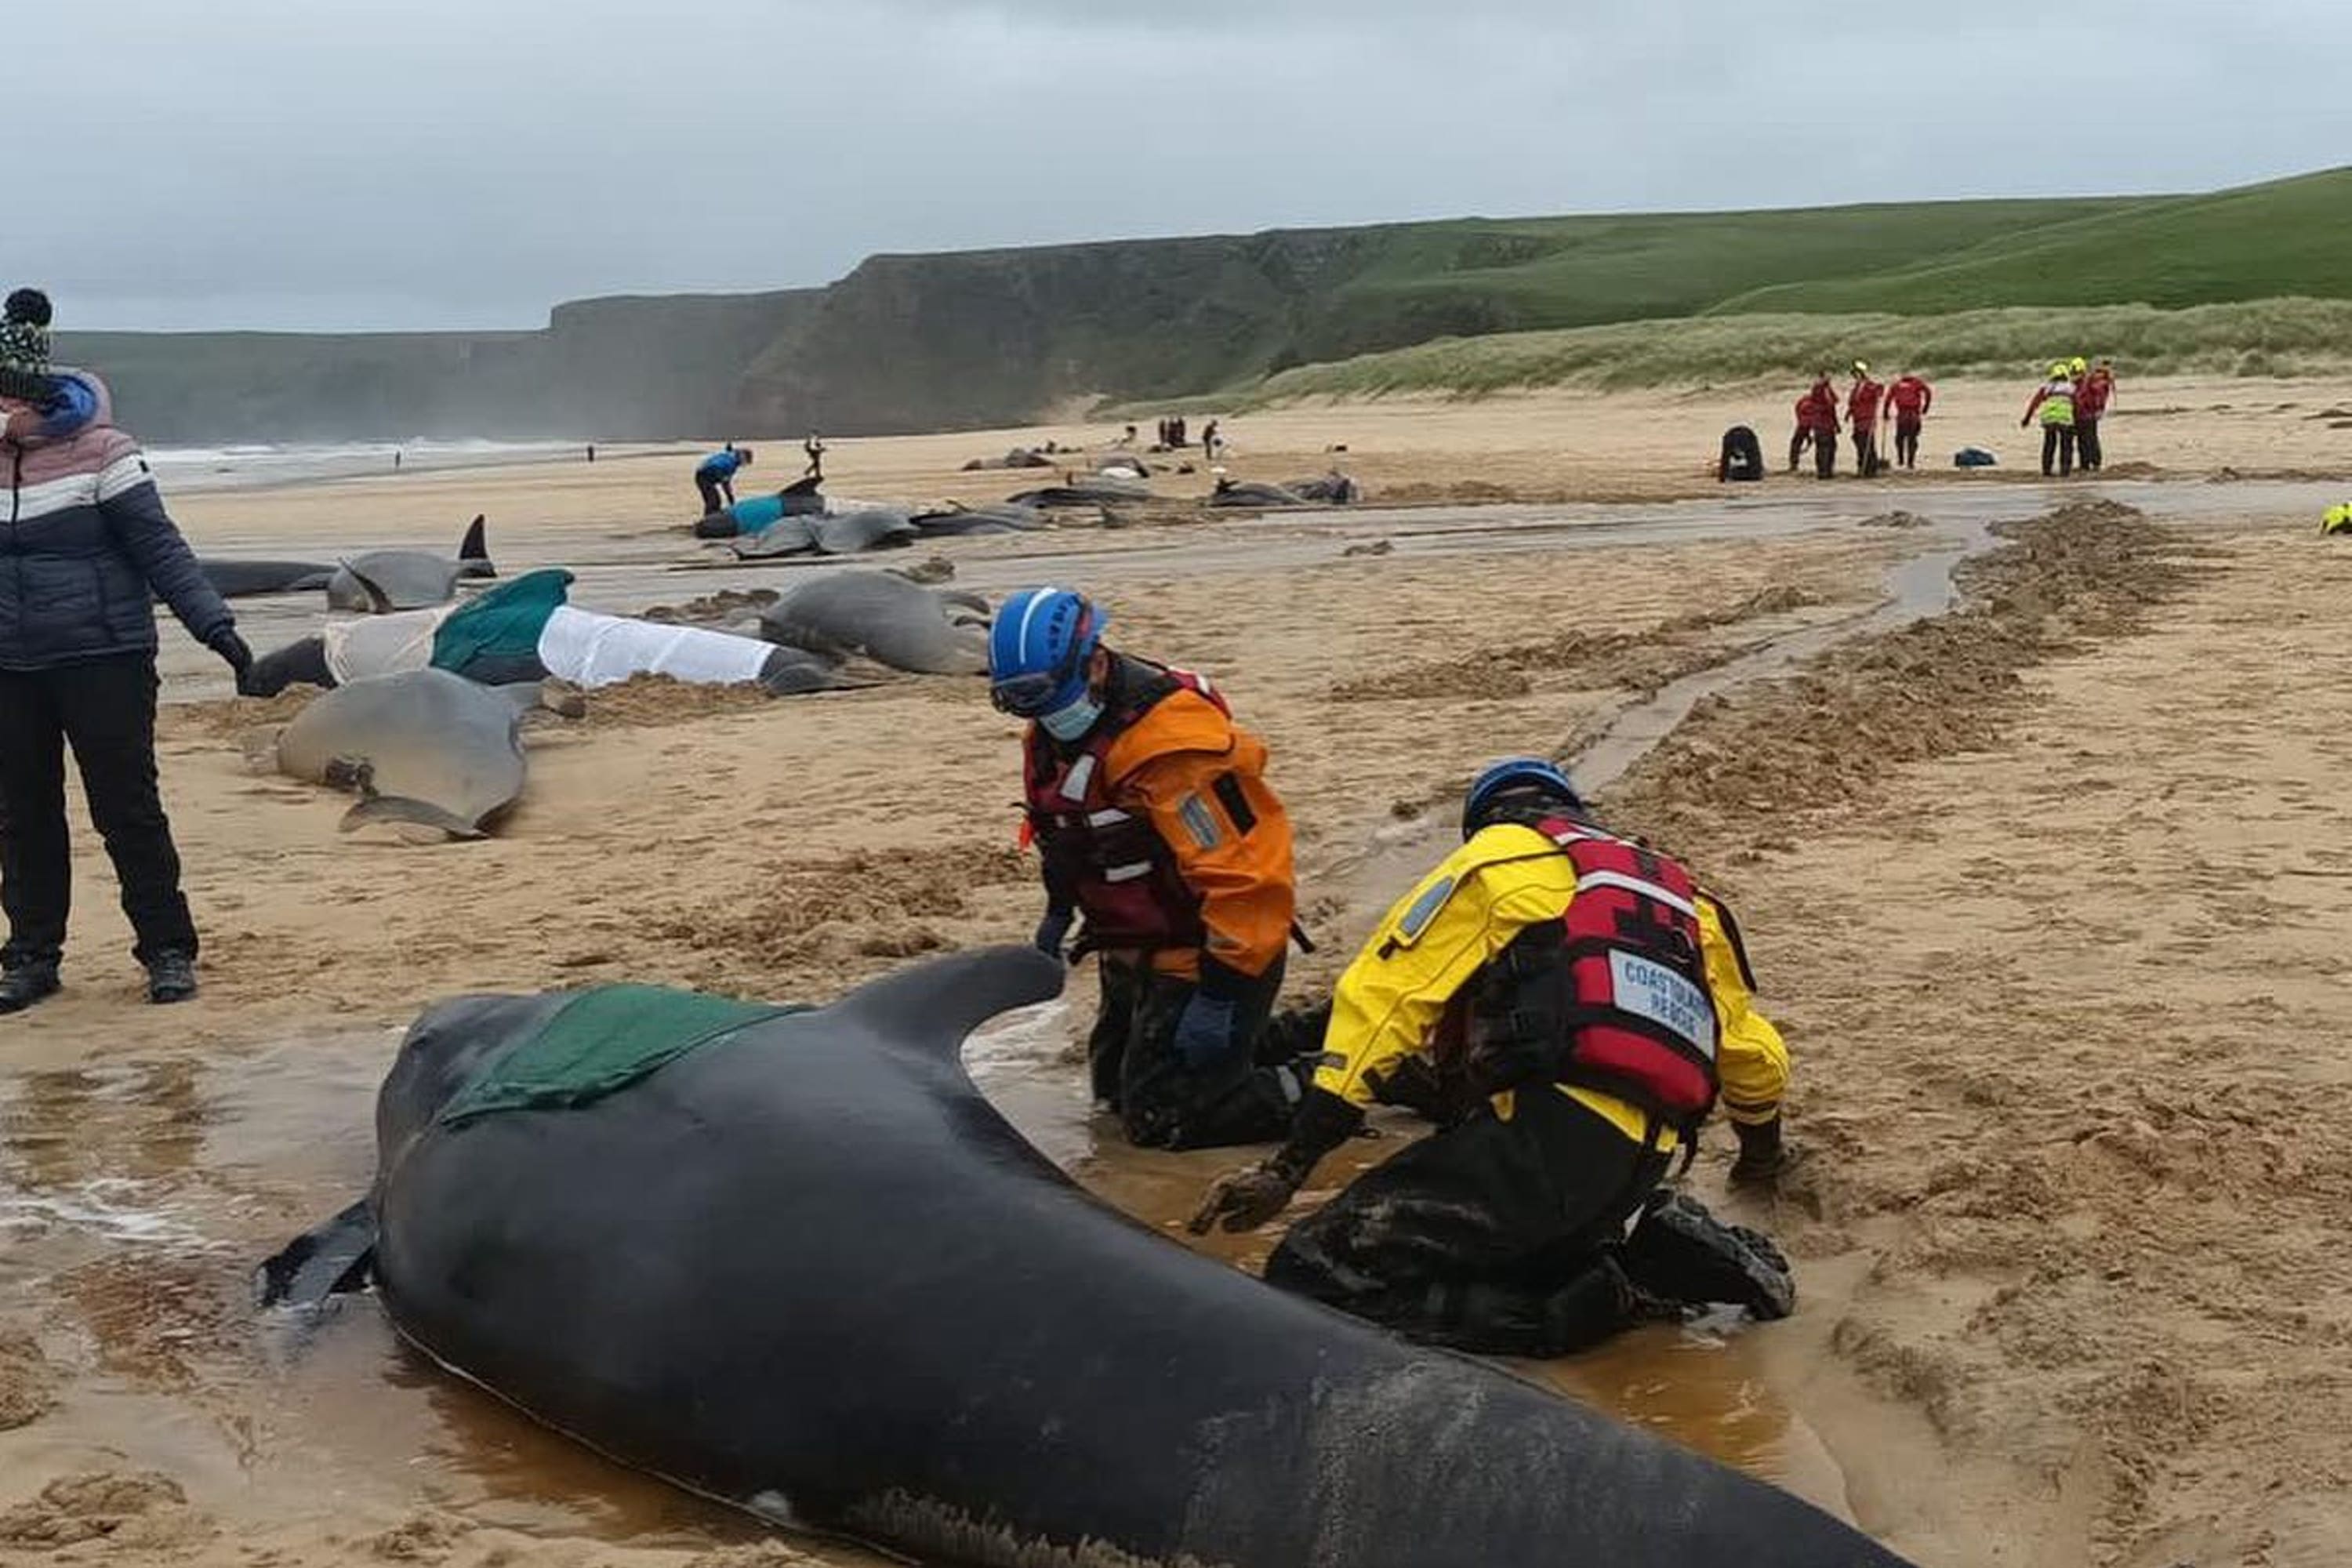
x=1819 y=410
x=1210 y=441
x=2053 y=402
x=714 y=477
x=592 y=451
x=1862 y=409
x=2093 y=390
x=814 y=449
x=88 y=550
x=1908 y=401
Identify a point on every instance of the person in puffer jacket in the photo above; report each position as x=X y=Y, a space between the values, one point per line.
x=85 y=550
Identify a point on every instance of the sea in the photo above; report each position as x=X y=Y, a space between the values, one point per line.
x=179 y=469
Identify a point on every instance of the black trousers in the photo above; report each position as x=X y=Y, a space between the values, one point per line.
x=1498 y=1236
x=2086 y=446
x=1907 y=445
x=1825 y=446
x=1866 y=461
x=2058 y=449
x=1161 y=1102
x=711 y=498
x=106 y=709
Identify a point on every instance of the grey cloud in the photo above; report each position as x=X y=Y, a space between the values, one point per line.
x=266 y=163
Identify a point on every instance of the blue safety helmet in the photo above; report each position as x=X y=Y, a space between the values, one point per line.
x=1038 y=650
x=1516 y=776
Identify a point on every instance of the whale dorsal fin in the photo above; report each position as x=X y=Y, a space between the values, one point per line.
x=473 y=546
x=932 y=1006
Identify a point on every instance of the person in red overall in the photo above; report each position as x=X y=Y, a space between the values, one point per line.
x=1595 y=1005
x=1861 y=406
x=1908 y=401
x=2093 y=390
x=1801 y=437
x=1149 y=809
x=1817 y=423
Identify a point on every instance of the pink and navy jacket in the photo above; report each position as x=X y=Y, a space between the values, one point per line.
x=86 y=547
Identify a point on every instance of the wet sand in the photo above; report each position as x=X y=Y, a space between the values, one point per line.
x=2038 y=1327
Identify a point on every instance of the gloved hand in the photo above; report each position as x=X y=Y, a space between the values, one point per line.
x=1246 y=1198
x=232 y=650
x=1762 y=1155
x=1204 y=1032
x=1054 y=930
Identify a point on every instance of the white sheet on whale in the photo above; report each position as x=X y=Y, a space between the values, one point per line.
x=590 y=649
x=579 y=646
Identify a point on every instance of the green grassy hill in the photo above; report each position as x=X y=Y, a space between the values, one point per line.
x=979 y=338
x=1580 y=271
x=2291 y=237
x=2267 y=337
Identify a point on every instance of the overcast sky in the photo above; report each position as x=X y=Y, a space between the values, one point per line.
x=330 y=163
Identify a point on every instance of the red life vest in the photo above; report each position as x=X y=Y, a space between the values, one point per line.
x=1817 y=410
x=1614 y=997
x=1862 y=405
x=1111 y=862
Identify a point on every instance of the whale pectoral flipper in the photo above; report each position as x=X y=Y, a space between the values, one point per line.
x=379 y=602
x=400 y=809
x=933 y=1007
x=325 y=1260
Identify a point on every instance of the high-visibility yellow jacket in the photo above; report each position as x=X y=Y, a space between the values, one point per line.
x=2054 y=399
x=1458 y=919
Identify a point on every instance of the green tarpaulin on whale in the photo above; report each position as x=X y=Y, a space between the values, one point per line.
x=602 y=1041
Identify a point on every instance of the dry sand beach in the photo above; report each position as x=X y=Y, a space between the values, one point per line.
x=2044 y=886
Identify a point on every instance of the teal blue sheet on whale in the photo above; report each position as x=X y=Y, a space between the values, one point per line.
x=602 y=1041
x=756 y=514
x=503 y=623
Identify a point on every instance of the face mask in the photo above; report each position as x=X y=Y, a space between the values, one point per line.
x=1069 y=724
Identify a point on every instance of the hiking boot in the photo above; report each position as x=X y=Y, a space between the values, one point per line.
x=1681 y=1252
x=171 y=977
x=24 y=983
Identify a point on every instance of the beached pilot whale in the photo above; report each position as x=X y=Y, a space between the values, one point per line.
x=849 y=1296
x=423 y=746
x=928 y=631
x=234 y=579
x=380 y=581
x=400 y=573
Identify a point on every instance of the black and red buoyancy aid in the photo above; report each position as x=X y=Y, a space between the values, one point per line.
x=1613 y=995
x=1109 y=862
